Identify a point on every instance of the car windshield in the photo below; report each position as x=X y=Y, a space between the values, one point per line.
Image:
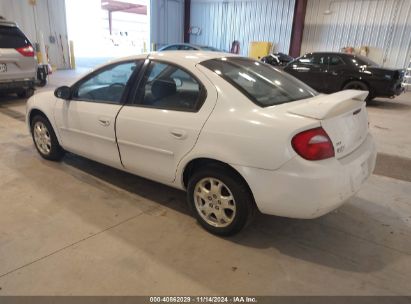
x=362 y=60
x=260 y=82
x=12 y=37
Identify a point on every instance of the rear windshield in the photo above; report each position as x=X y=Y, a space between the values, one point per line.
x=361 y=60
x=12 y=37
x=261 y=83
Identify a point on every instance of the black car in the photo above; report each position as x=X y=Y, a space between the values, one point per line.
x=277 y=59
x=333 y=72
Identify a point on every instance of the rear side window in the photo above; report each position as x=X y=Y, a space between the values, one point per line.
x=171 y=48
x=186 y=48
x=261 y=83
x=12 y=38
x=335 y=60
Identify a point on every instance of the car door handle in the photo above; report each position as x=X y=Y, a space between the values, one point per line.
x=178 y=133
x=104 y=122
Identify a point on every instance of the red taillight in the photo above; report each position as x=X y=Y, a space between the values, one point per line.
x=26 y=51
x=313 y=144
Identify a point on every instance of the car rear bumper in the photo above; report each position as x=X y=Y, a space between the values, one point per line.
x=398 y=89
x=17 y=84
x=394 y=90
x=306 y=189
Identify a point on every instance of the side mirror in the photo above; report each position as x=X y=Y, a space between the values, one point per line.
x=63 y=92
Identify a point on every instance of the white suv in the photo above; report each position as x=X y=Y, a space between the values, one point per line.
x=18 y=65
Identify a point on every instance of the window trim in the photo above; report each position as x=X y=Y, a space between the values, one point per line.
x=143 y=81
x=75 y=87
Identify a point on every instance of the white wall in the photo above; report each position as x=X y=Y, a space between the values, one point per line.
x=383 y=25
x=48 y=16
x=222 y=22
x=166 y=22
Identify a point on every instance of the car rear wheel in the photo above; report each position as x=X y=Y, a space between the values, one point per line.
x=26 y=93
x=42 y=82
x=358 y=85
x=45 y=139
x=220 y=200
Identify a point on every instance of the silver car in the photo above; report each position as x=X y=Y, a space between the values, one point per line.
x=18 y=64
x=188 y=47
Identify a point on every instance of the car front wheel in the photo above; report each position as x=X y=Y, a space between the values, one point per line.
x=220 y=200
x=45 y=139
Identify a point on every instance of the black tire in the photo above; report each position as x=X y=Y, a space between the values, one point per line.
x=42 y=83
x=56 y=152
x=359 y=85
x=26 y=93
x=243 y=199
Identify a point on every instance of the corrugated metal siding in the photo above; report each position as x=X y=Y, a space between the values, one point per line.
x=36 y=18
x=383 y=25
x=166 y=21
x=222 y=22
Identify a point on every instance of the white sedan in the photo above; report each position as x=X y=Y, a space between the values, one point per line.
x=236 y=134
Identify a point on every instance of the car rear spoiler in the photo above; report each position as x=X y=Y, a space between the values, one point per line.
x=325 y=106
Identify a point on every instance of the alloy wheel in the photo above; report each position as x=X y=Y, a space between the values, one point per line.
x=214 y=202
x=42 y=137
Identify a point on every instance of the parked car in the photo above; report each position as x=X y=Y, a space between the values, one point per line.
x=233 y=132
x=18 y=65
x=188 y=47
x=332 y=72
x=277 y=59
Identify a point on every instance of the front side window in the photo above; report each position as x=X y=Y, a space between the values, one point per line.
x=261 y=83
x=166 y=86
x=306 y=60
x=108 y=85
x=313 y=60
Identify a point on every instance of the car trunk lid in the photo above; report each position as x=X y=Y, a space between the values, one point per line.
x=342 y=115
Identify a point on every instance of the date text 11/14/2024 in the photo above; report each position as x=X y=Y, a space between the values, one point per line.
x=203 y=299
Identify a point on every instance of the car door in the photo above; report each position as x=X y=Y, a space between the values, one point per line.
x=310 y=69
x=162 y=123
x=86 y=123
x=335 y=74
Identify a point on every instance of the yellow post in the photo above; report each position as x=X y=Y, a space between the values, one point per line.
x=72 y=58
x=259 y=49
x=39 y=57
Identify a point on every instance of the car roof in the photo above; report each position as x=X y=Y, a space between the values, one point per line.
x=4 y=22
x=184 y=58
x=187 y=59
x=331 y=53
